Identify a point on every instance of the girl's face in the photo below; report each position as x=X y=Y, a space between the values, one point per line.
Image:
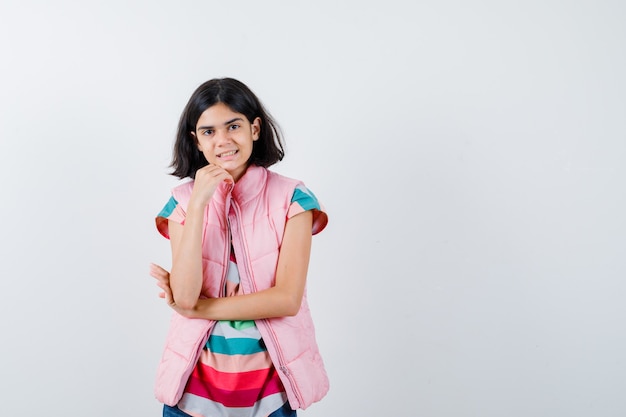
x=225 y=138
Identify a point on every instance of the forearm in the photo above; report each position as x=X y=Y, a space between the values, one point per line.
x=186 y=274
x=273 y=302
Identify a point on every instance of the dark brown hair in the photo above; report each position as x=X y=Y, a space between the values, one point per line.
x=266 y=151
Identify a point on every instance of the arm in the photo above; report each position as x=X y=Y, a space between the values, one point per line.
x=283 y=299
x=185 y=279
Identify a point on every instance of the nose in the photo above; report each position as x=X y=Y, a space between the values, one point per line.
x=222 y=136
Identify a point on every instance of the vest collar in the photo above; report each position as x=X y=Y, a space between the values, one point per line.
x=247 y=188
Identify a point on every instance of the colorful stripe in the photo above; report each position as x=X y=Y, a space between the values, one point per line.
x=171 y=211
x=197 y=406
x=234 y=363
x=234 y=346
x=229 y=399
x=235 y=328
x=169 y=208
x=305 y=198
x=231 y=381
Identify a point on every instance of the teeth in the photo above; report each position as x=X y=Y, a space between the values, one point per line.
x=228 y=153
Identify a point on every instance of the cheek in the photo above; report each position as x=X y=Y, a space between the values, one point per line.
x=203 y=145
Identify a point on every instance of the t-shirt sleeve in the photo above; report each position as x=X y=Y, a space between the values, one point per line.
x=171 y=211
x=304 y=200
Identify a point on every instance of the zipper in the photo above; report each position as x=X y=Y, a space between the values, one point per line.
x=264 y=322
x=227 y=245
x=281 y=362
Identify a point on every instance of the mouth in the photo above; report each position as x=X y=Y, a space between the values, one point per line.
x=226 y=154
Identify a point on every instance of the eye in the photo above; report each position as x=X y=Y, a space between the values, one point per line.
x=233 y=127
x=207 y=132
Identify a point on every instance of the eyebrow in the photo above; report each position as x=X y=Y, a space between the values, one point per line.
x=236 y=119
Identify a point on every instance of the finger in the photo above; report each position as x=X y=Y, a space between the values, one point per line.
x=154 y=266
x=214 y=170
x=224 y=175
x=156 y=271
x=218 y=170
x=160 y=275
x=160 y=278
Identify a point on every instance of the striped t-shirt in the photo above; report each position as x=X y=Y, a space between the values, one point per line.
x=234 y=375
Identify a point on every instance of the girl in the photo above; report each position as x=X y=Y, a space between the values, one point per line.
x=241 y=341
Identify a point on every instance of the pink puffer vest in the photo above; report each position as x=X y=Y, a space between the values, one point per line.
x=256 y=208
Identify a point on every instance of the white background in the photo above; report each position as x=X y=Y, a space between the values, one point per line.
x=470 y=154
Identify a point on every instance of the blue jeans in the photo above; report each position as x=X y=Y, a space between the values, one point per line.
x=173 y=412
x=284 y=411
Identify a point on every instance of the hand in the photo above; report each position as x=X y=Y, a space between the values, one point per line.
x=163 y=281
x=206 y=182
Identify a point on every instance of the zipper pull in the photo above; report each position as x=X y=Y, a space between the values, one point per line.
x=284 y=370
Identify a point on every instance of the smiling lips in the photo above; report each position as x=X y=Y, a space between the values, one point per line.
x=226 y=154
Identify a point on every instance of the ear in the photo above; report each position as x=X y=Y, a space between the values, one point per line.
x=195 y=139
x=256 y=128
